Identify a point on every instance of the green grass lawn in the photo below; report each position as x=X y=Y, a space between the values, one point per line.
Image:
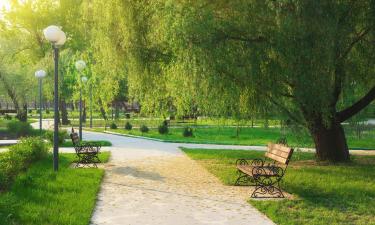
x=42 y=197
x=69 y=143
x=325 y=194
x=247 y=136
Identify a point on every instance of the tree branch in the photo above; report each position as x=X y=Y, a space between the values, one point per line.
x=356 y=107
x=355 y=41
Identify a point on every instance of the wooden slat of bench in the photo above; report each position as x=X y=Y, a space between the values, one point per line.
x=246 y=169
x=276 y=158
x=249 y=170
x=277 y=152
x=279 y=147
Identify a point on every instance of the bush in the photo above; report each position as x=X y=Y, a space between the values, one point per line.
x=144 y=129
x=163 y=128
x=128 y=126
x=188 y=132
x=47 y=111
x=113 y=126
x=7 y=117
x=63 y=134
x=19 y=157
x=19 y=129
x=127 y=115
x=30 y=111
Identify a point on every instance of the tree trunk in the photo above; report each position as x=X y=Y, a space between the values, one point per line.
x=330 y=143
x=102 y=111
x=64 y=112
x=22 y=113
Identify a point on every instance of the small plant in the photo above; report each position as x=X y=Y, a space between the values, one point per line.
x=144 y=129
x=30 y=111
x=187 y=132
x=63 y=134
x=38 y=111
x=18 y=159
x=163 y=128
x=7 y=117
x=128 y=126
x=127 y=115
x=47 y=111
x=19 y=129
x=113 y=126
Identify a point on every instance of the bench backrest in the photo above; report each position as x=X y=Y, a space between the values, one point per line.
x=279 y=153
x=75 y=138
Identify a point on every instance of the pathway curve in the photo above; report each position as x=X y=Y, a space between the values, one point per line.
x=150 y=182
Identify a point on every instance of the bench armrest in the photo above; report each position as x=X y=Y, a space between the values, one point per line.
x=253 y=162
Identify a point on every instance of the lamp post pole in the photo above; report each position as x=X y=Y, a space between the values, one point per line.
x=80 y=113
x=90 y=105
x=80 y=65
x=56 y=111
x=57 y=38
x=40 y=74
x=40 y=106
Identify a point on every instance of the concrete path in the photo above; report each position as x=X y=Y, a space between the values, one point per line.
x=150 y=182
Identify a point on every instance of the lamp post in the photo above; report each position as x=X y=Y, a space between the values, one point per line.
x=57 y=38
x=90 y=105
x=80 y=65
x=40 y=74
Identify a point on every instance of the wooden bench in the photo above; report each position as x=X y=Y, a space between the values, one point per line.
x=88 y=154
x=265 y=176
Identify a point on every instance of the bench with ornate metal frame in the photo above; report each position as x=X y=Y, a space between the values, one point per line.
x=264 y=176
x=88 y=154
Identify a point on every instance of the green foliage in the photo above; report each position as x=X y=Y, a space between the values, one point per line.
x=144 y=129
x=19 y=129
x=19 y=157
x=113 y=125
x=63 y=134
x=187 y=132
x=128 y=126
x=163 y=128
x=7 y=117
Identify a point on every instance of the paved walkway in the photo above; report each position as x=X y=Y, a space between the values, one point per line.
x=149 y=182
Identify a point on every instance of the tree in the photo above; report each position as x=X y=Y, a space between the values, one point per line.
x=298 y=55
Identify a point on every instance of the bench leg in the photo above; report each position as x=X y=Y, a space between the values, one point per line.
x=266 y=188
x=244 y=179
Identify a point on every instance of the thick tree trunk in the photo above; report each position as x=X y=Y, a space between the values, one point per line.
x=330 y=143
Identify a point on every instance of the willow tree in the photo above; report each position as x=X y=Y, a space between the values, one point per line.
x=299 y=55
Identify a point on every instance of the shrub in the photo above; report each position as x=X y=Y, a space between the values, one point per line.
x=163 y=128
x=127 y=115
x=47 y=111
x=19 y=157
x=187 y=132
x=19 y=129
x=144 y=129
x=128 y=126
x=7 y=117
x=30 y=111
x=63 y=134
x=113 y=126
